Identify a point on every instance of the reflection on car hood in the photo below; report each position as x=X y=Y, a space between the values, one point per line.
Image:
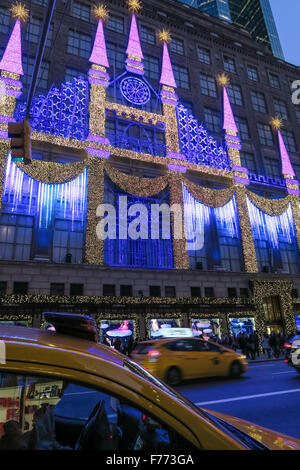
x=271 y=439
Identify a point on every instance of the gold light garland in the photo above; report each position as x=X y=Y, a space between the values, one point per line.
x=143 y=187
x=209 y=197
x=53 y=172
x=17 y=317
x=273 y=207
x=248 y=246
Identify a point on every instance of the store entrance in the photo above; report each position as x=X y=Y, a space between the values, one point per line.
x=273 y=314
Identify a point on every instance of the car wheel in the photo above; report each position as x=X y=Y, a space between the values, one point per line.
x=173 y=376
x=235 y=369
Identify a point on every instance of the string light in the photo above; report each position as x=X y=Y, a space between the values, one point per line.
x=223 y=80
x=101 y=12
x=134 y=6
x=19 y=11
x=164 y=36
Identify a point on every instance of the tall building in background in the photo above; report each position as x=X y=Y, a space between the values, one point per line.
x=255 y=16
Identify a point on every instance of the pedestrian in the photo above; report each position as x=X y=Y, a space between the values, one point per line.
x=117 y=344
x=267 y=345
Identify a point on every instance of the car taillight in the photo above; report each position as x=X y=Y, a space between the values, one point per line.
x=287 y=345
x=153 y=353
x=285 y=360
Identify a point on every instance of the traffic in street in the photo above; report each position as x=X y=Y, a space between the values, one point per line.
x=268 y=394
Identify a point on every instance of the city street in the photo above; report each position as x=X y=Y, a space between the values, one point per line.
x=268 y=394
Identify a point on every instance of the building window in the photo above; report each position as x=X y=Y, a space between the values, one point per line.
x=3 y=287
x=116 y=56
x=181 y=75
x=81 y=11
x=248 y=161
x=72 y=73
x=16 y=234
x=57 y=288
x=125 y=290
x=204 y=55
x=229 y=65
x=272 y=167
x=209 y=292
x=4 y=20
x=212 y=120
x=244 y=292
x=34 y=31
x=147 y=35
x=289 y=140
x=68 y=240
x=252 y=73
x=258 y=101
x=195 y=291
x=151 y=67
x=297 y=111
x=42 y=81
x=20 y=288
x=208 y=86
x=115 y=23
x=265 y=134
x=79 y=44
x=177 y=46
x=41 y=2
x=274 y=81
x=232 y=292
x=170 y=291
x=109 y=290
x=280 y=108
x=76 y=289
x=235 y=94
x=154 y=291
x=242 y=125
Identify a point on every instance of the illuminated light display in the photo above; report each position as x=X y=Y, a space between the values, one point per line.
x=287 y=168
x=174 y=167
x=134 y=46
x=12 y=57
x=63 y=112
x=197 y=145
x=229 y=121
x=167 y=75
x=99 y=54
x=135 y=90
x=23 y=194
x=268 y=227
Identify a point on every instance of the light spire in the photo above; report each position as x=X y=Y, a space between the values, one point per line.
x=167 y=75
x=229 y=123
x=286 y=165
x=134 y=61
x=12 y=57
x=99 y=54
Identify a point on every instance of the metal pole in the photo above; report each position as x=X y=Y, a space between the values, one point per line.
x=40 y=53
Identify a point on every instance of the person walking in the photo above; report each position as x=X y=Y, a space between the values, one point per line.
x=267 y=345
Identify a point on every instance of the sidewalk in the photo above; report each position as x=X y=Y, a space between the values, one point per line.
x=264 y=358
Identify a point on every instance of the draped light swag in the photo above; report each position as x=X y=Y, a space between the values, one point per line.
x=53 y=172
x=274 y=207
x=209 y=197
x=143 y=187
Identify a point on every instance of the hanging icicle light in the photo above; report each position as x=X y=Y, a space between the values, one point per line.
x=197 y=216
x=42 y=198
x=268 y=227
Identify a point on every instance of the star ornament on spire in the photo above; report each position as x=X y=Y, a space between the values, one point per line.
x=276 y=123
x=134 y=6
x=223 y=80
x=100 y=12
x=164 y=36
x=19 y=11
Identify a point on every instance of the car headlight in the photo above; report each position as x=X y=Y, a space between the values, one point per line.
x=242 y=357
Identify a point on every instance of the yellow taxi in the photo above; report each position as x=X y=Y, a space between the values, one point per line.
x=62 y=390
x=177 y=359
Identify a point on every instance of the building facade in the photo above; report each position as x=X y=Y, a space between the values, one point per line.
x=148 y=123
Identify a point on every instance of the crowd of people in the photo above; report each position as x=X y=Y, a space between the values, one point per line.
x=272 y=345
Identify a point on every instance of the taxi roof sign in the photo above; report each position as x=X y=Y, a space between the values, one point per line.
x=176 y=332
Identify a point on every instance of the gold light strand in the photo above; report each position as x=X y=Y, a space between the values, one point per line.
x=223 y=80
x=100 y=12
x=164 y=36
x=134 y=6
x=19 y=11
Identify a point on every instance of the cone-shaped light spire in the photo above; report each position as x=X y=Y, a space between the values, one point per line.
x=286 y=165
x=229 y=123
x=167 y=75
x=99 y=55
x=134 y=46
x=12 y=57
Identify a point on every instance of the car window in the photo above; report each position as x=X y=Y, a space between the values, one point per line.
x=41 y=413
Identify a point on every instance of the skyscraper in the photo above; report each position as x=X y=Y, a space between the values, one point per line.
x=255 y=16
